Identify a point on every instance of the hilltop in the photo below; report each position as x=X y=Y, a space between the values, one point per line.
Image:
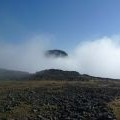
x=56 y=53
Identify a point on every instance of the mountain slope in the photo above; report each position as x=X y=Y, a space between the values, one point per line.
x=12 y=74
x=49 y=74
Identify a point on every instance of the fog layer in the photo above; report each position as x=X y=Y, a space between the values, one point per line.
x=99 y=57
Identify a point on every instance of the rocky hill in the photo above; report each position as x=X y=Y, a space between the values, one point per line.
x=55 y=74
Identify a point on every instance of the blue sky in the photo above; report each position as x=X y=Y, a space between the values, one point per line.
x=26 y=24
x=69 y=21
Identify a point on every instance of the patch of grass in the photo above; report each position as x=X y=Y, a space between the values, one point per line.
x=13 y=85
x=115 y=105
x=20 y=112
x=47 y=108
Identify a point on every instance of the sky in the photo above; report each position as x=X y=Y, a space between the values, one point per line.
x=89 y=30
x=67 y=21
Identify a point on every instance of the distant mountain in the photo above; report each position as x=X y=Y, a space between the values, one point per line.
x=56 y=53
x=12 y=74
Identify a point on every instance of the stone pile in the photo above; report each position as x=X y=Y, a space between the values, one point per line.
x=66 y=103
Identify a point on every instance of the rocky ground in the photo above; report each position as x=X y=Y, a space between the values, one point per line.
x=57 y=101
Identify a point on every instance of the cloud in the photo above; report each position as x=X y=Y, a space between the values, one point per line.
x=100 y=57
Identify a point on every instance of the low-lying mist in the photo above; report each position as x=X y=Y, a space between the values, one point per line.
x=100 y=57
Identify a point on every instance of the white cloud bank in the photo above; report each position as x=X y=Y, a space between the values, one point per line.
x=100 y=57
